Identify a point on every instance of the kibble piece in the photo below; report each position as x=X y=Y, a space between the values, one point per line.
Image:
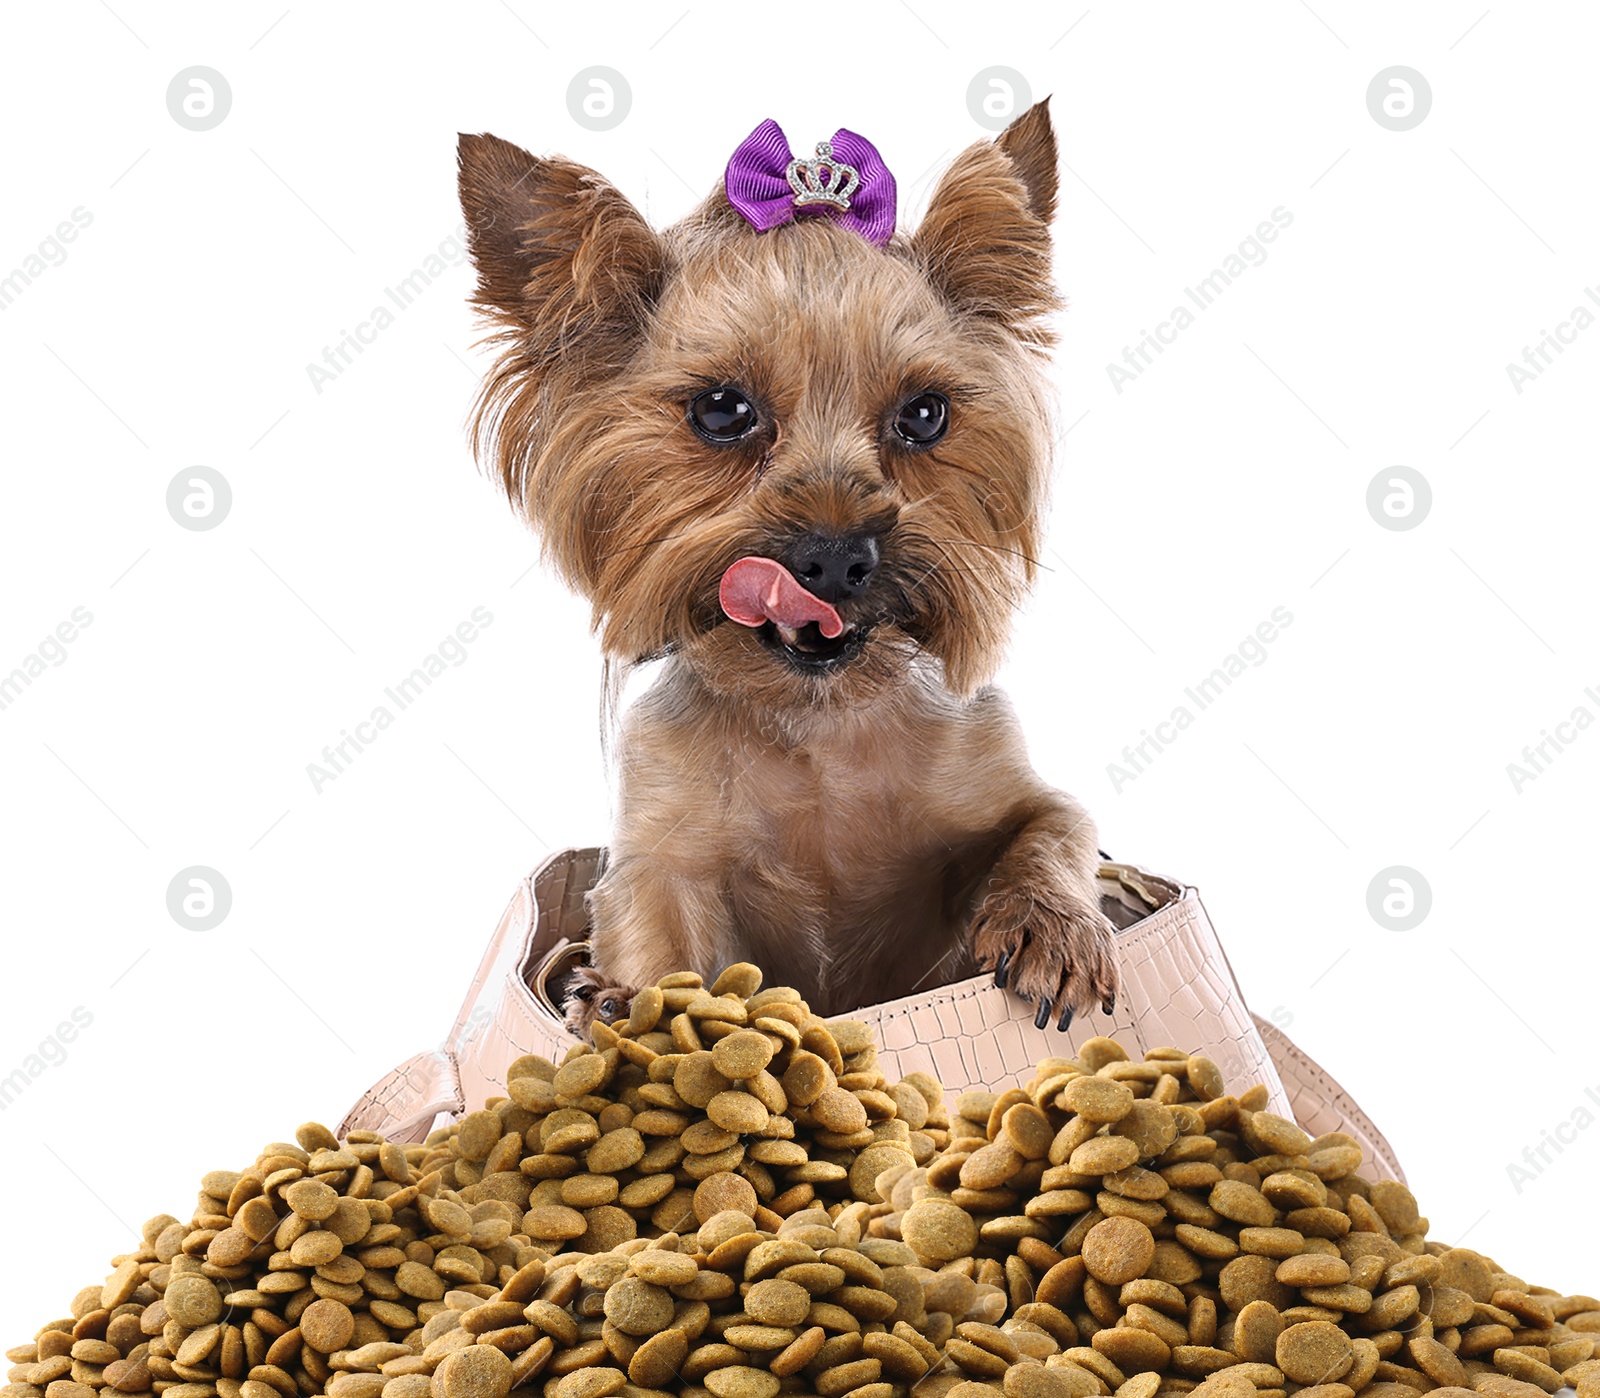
x=1116 y=1250
x=1027 y=1130
x=477 y=1371
x=874 y=1161
x=796 y=1355
x=192 y=1300
x=838 y=1379
x=661 y=1267
x=316 y=1248
x=805 y=1079
x=1204 y=1077
x=327 y=1325
x=1397 y=1207
x=591 y=1381
x=120 y=1285
x=656 y=1362
x=644 y=1013
x=1313 y=1269
x=697 y=1080
x=724 y=1192
x=742 y=1054
x=1242 y=1203
x=1438 y=1362
x=839 y=1111
x=991 y=1166
x=478 y=1133
x=777 y=1302
x=615 y=1151
x=312 y=1199
x=1098 y=1099
x=1315 y=1352
x=554 y=1222
x=637 y=1307
x=742 y=1381
x=126 y=1376
x=901 y=1361
x=737 y=1111
x=1256 y=1329
x=1526 y=1368
x=1275 y=1135
x=938 y=1230
x=1132 y=1349
x=1104 y=1155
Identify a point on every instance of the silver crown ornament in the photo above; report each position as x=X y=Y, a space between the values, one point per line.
x=812 y=187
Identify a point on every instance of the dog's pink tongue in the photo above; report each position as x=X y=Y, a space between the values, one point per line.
x=755 y=590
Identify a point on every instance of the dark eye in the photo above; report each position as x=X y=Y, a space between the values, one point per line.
x=608 y=1008
x=721 y=414
x=922 y=419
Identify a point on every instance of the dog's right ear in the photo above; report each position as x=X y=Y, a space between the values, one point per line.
x=566 y=265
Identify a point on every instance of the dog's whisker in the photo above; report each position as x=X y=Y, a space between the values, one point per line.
x=995 y=548
x=644 y=544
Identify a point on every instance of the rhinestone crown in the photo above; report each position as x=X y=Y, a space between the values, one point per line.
x=811 y=186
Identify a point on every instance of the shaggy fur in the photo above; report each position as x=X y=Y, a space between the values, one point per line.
x=874 y=829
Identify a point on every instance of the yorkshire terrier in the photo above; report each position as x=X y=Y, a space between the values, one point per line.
x=802 y=458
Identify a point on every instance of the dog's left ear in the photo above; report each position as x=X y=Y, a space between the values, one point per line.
x=985 y=239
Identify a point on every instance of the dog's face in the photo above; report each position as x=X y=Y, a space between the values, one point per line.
x=871 y=418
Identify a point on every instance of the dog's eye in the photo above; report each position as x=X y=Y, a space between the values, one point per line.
x=608 y=1009
x=923 y=418
x=722 y=415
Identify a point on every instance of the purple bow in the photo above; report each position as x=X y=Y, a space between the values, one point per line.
x=768 y=186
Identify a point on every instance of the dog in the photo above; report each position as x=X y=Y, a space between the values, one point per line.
x=804 y=465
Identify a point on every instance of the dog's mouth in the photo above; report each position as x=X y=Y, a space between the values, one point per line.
x=802 y=628
x=807 y=648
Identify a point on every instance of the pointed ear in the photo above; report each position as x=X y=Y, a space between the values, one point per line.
x=985 y=239
x=566 y=265
x=1030 y=141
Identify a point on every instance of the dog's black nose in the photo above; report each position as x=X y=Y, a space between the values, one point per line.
x=834 y=567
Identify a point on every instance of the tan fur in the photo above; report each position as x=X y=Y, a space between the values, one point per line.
x=861 y=833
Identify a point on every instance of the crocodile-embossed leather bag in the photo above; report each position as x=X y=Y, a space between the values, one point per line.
x=1176 y=988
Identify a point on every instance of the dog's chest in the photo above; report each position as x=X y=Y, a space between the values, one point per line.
x=858 y=833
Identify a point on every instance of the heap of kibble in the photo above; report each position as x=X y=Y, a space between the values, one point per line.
x=723 y=1198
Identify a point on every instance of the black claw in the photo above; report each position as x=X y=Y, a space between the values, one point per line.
x=1109 y=1004
x=1065 y=1022
x=1001 y=970
x=1043 y=1017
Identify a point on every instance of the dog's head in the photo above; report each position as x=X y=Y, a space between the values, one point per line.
x=870 y=422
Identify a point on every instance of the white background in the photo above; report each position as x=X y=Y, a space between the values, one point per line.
x=1228 y=480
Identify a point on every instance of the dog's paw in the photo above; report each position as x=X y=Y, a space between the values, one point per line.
x=1052 y=949
x=592 y=997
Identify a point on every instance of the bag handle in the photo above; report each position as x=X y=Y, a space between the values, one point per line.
x=410 y=1097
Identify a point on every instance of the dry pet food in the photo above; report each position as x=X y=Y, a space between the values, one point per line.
x=723 y=1198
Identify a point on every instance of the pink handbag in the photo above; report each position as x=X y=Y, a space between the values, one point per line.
x=1177 y=989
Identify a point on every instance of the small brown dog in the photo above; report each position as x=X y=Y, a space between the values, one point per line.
x=806 y=465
